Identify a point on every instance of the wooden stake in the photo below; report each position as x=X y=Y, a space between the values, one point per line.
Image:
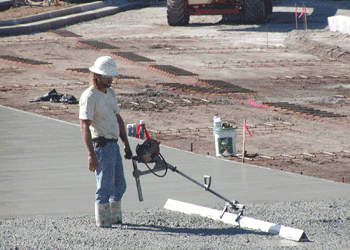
x=267 y=36
x=243 y=148
x=307 y=154
x=305 y=20
x=296 y=17
x=169 y=101
x=152 y=102
x=135 y=103
x=267 y=157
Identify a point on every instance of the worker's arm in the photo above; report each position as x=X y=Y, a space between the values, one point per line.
x=86 y=134
x=122 y=135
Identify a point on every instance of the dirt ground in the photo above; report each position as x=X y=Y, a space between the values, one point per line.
x=272 y=71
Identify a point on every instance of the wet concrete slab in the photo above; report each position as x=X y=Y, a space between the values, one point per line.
x=43 y=172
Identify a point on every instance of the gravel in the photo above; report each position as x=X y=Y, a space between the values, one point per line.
x=325 y=222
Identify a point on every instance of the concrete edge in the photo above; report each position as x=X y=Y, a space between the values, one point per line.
x=62 y=21
x=169 y=147
x=53 y=14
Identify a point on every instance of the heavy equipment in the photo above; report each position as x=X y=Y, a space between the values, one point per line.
x=248 y=11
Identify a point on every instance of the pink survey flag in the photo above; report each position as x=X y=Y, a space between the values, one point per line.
x=246 y=127
x=303 y=11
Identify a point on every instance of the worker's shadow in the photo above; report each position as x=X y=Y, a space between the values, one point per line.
x=194 y=231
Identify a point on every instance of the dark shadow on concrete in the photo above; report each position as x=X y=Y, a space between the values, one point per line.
x=337 y=4
x=286 y=21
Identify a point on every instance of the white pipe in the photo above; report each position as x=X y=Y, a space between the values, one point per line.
x=243 y=222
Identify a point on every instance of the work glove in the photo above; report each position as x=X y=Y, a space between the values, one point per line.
x=128 y=153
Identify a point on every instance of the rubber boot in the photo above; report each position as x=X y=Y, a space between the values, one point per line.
x=103 y=215
x=116 y=212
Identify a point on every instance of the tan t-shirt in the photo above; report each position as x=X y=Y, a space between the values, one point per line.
x=101 y=109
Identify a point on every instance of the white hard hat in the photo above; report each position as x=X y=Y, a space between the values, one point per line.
x=106 y=66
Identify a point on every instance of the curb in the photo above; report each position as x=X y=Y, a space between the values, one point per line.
x=61 y=18
x=53 y=14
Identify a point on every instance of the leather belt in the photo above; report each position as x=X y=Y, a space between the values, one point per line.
x=102 y=141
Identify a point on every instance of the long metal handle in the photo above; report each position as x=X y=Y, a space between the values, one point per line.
x=136 y=174
x=196 y=182
x=233 y=204
x=160 y=165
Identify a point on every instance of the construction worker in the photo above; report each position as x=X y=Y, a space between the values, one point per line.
x=101 y=125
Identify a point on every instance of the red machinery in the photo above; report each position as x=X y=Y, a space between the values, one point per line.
x=250 y=11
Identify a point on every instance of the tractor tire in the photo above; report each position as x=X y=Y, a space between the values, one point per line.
x=254 y=11
x=176 y=13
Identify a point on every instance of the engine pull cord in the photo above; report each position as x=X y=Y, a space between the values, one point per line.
x=166 y=167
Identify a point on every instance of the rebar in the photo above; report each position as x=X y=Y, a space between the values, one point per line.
x=173 y=70
x=80 y=70
x=98 y=44
x=65 y=33
x=133 y=57
x=302 y=109
x=226 y=86
x=23 y=60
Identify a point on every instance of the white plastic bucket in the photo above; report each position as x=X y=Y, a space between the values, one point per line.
x=225 y=140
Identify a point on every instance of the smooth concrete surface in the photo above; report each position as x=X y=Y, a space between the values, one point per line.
x=44 y=173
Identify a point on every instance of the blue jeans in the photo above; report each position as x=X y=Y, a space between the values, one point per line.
x=110 y=180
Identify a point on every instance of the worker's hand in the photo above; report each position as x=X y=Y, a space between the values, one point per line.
x=93 y=163
x=128 y=152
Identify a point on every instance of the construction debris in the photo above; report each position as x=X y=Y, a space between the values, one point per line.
x=55 y=97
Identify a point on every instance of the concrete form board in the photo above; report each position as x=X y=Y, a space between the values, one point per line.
x=44 y=172
x=233 y=219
